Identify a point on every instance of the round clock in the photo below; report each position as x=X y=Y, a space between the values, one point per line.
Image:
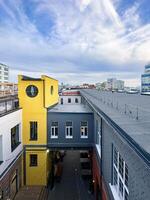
x=32 y=91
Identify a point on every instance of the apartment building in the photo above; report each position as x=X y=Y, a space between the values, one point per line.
x=4 y=73
x=10 y=147
x=145 y=81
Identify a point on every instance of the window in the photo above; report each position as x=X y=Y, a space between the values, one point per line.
x=61 y=100
x=76 y=100
x=69 y=100
x=69 y=129
x=33 y=160
x=5 y=69
x=1 y=150
x=120 y=175
x=54 y=130
x=84 y=129
x=52 y=89
x=14 y=137
x=98 y=135
x=33 y=130
x=6 y=73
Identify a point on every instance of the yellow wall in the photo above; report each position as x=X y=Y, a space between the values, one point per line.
x=35 y=109
x=50 y=99
x=36 y=175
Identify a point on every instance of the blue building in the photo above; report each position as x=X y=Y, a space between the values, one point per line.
x=145 y=81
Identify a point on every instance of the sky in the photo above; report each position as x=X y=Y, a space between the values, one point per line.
x=76 y=41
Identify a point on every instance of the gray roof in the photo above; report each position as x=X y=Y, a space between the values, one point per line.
x=70 y=108
x=131 y=112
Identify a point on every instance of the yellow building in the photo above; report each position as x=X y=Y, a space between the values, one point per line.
x=35 y=96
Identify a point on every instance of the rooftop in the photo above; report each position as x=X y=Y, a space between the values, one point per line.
x=72 y=108
x=131 y=112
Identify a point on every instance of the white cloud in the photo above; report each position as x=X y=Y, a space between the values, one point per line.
x=85 y=33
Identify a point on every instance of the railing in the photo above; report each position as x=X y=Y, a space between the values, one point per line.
x=8 y=105
x=130 y=110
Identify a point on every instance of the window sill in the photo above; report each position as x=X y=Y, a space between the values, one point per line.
x=114 y=192
x=84 y=137
x=33 y=139
x=69 y=137
x=33 y=165
x=54 y=137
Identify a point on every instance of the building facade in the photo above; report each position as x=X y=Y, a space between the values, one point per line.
x=10 y=149
x=4 y=73
x=120 y=157
x=145 y=81
x=113 y=132
x=114 y=84
x=35 y=97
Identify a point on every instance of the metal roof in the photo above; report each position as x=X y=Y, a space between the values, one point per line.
x=70 y=108
x=130 y=112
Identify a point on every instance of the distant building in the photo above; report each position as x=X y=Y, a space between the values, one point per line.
x=114 y=84
x=101 y=86
x=145 y=80
x=4 y=73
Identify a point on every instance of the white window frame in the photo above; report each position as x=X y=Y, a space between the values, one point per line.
x=54 y=136
x=115 y=188
x=84 y=127
x=69 y=128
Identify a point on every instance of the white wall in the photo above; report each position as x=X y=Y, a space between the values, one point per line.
x=65 y=99
x=6 y=123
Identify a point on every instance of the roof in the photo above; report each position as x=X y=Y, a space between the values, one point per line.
x=130 y=112
x=72 y=108
x=27 y=78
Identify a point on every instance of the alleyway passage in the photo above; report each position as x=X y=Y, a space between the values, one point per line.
x=72 y=186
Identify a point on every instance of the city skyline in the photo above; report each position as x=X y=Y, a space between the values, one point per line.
x=92 y=39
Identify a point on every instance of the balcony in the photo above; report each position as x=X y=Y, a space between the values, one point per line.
x=8 y=104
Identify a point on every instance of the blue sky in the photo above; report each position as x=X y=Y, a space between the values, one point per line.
x=76 y=40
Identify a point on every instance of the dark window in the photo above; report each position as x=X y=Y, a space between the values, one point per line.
x=84 y=129
x=115 y=177
x=6 y=73
x=52 y=89
x=126 y=174
x=69 y=129
x=121 y=165
x=69 y=100
x=31 y=90
x=14 y=137
x=5 y=69
x=33 y=130
x=54 y=130
x=76 y=100
x=33 y=160
x=61 y=100
x=120 y=186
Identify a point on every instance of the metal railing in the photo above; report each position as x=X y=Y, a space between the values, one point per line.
x=132 y=111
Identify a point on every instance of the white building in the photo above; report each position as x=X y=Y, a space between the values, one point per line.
x=4 y=73
x=114 y=84
x=145 y=81
x=10 y=150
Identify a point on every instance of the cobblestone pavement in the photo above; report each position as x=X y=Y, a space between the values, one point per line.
x=72 y=186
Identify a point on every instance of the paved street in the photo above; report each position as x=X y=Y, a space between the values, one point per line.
x=72 y=186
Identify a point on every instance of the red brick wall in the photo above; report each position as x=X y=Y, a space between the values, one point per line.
x=97 y=179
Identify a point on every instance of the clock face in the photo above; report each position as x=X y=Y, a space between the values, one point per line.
x=32 y=91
